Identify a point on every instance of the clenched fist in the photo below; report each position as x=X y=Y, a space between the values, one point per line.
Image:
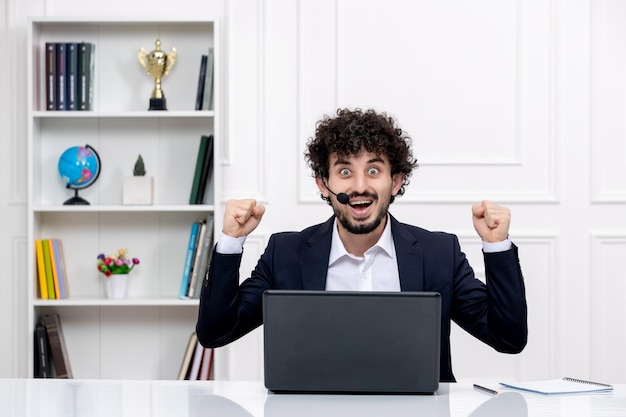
x=241 y=217
x=491 y=221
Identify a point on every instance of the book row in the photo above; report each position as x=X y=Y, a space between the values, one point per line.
x=69 y=75
x=52 y=276
x=52 y=358
x=204 y=93
x=198 y=257
x=51 y=271
x=197 y=362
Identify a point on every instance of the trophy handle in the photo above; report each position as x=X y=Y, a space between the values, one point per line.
x=142 y=58
x=171 y=58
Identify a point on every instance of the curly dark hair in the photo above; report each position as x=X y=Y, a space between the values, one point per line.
x=352 y=131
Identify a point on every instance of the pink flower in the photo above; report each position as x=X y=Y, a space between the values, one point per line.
x=116 y=263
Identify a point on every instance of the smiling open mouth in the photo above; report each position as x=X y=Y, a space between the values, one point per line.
x=361 y=204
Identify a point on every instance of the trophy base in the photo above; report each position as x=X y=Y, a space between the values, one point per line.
x=157 y=104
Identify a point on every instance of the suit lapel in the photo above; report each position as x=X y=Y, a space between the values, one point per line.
x=410 y=258
x=314 y=259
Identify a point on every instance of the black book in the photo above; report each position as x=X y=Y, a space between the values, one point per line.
x=51 y=75
x=43 y=367
x=61 y=62
x=207 y=170
x=71 y=78
x=201 y=77
x=86 y=61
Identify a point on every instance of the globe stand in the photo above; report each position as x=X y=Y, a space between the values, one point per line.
x=76 y=200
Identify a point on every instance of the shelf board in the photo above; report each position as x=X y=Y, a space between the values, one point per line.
x=126 y=302
x=191 y=208
x=122 y=20
x=52 y=114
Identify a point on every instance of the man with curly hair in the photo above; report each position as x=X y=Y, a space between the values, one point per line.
x=365 y=156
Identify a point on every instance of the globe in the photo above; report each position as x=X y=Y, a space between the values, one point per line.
x=79 y=167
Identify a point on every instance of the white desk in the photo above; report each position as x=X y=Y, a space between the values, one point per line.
x=78 y=398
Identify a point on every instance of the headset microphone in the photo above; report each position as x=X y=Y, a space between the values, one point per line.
x=343 y=198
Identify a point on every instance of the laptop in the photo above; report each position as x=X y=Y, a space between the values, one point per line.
x=351 y=342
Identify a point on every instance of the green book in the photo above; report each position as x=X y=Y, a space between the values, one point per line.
x=48 y=264
x=207 y=169
x=195 y=186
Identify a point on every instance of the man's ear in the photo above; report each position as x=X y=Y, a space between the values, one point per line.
x=320 y=184
x=398 y=180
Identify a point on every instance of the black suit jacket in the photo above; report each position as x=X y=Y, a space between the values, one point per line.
x=427 y=261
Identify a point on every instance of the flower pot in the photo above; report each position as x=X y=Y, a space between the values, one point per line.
x=138 y=190
x=115 y=286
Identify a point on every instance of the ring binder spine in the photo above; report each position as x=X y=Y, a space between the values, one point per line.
x=582 y=381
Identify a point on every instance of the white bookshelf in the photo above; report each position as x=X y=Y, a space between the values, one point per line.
x=143 y=336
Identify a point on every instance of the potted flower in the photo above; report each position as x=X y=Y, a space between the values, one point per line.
x=138 y=189
x=115 y=268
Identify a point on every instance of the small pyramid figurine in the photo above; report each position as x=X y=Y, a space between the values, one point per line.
x=140 y=168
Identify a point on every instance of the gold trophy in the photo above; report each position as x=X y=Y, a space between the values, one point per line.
x=157 y=63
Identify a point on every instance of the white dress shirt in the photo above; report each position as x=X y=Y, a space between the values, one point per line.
x=376 y=271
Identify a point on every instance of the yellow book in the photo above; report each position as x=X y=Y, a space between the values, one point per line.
x=41 y=270
x=55 y=273
x=48 y=266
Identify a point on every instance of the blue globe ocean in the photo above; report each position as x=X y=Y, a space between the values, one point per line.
x=79 y=167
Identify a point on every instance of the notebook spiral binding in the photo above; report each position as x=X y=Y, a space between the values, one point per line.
x=582 y=381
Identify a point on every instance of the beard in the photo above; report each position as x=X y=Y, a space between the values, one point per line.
x=361 y=228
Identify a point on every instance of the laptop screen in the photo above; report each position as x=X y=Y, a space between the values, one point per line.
x=333 y=341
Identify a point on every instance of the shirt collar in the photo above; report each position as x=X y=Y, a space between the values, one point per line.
x=338 y=250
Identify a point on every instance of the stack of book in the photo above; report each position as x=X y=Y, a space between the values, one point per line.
x=197 y=259
x=51 y=271
x=69 y=75
x=51 y=357
x=197 y=362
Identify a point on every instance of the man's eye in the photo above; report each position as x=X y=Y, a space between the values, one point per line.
x=345 y=172
x=373 y=171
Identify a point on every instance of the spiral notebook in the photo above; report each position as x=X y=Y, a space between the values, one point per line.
x=560 y=386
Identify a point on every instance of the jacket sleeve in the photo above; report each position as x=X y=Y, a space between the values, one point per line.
x=229 y=310
x=495 y=313
x=223 y=316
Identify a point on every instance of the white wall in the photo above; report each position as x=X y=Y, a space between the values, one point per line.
x=521 y=102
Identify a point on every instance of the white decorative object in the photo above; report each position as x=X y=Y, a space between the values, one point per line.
x=115 y=286
x=138 y=190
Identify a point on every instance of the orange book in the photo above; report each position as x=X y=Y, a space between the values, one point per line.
x=207 y=362
x=41 y=270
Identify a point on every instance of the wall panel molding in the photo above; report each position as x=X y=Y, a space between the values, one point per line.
x=608 y=102
x=246 y=100
x=607 y=289
x=539 y=261
x=16 y=315
x=522 y=148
